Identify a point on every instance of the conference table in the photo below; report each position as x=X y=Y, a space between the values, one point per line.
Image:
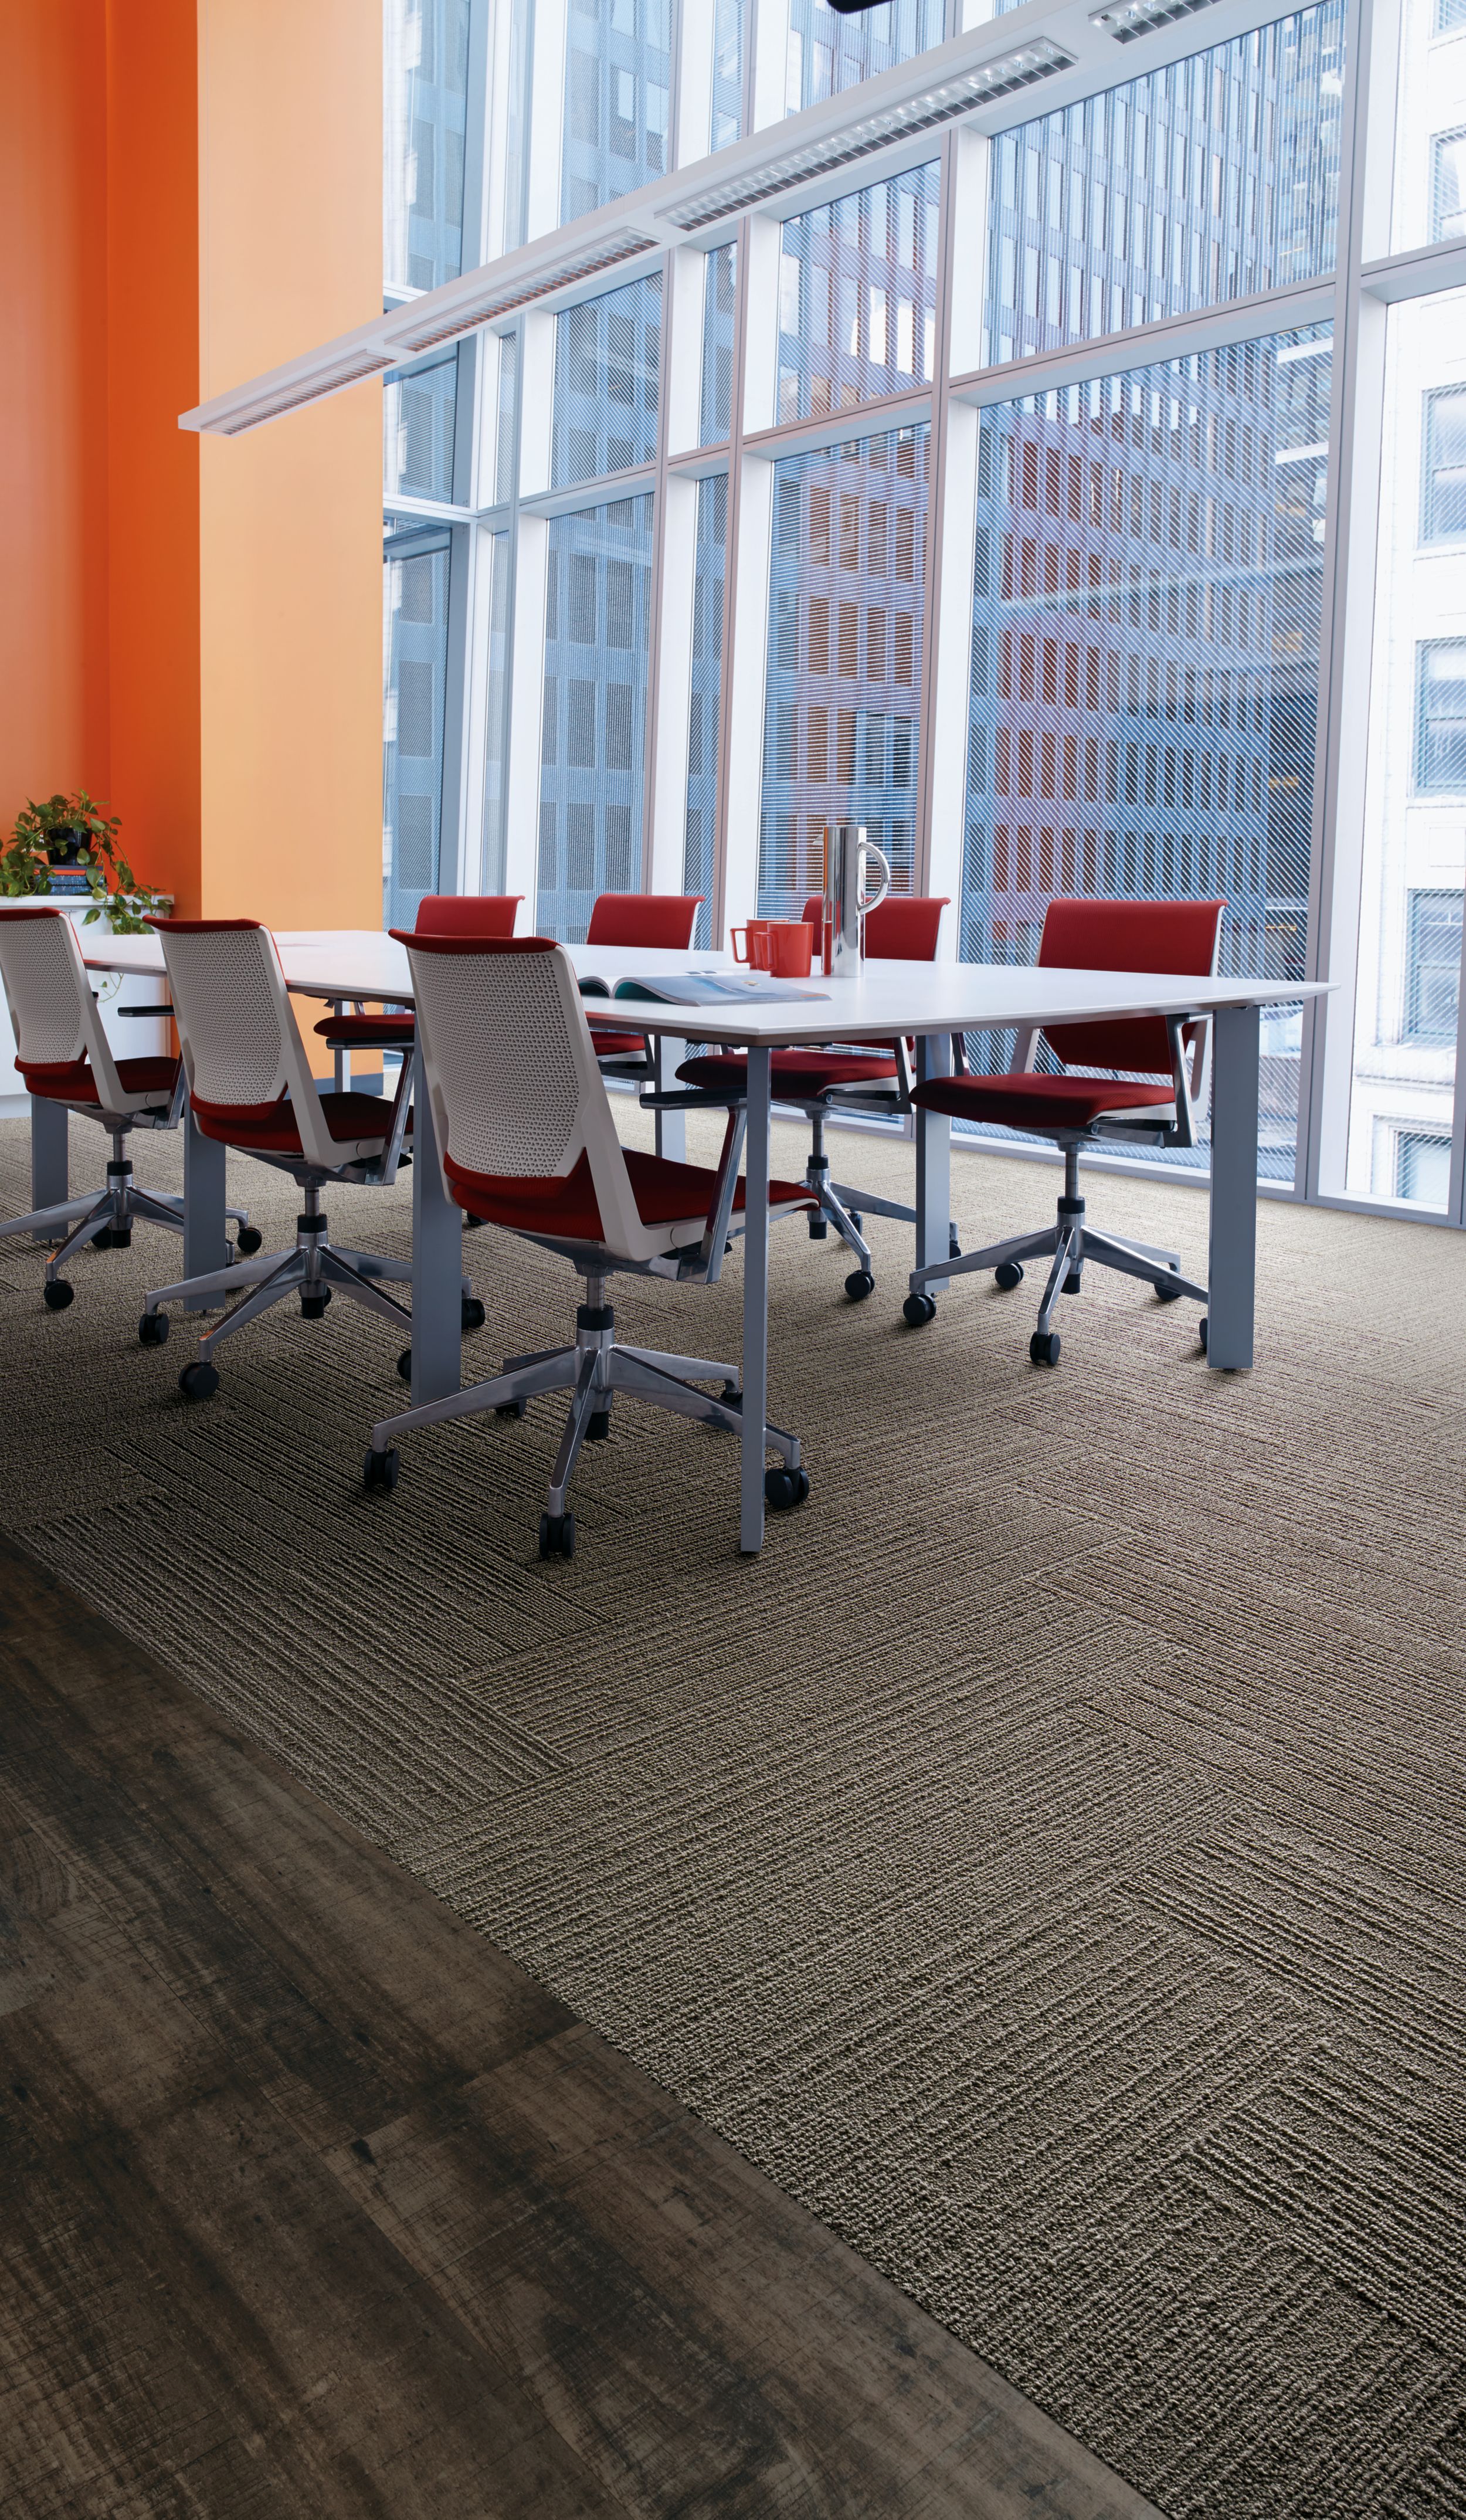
x=927 y=1000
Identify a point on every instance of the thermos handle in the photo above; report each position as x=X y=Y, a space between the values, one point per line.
x=864 y=902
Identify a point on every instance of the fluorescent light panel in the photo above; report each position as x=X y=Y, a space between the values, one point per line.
x=937 y=105
x=466 y=314
x=311 y=388
x=1131 y=18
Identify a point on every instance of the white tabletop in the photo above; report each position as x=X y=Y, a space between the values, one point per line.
x=886 y=998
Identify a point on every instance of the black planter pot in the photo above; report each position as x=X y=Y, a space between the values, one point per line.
x=62 y=849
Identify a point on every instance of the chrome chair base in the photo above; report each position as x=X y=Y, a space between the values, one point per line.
x=104 y=1217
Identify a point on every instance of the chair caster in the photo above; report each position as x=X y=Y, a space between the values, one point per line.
x=198 y=1380
x=152 y=1329
x=313 y=1306
x=818 y=1229
x=471 y=1313
x=248 y=1241
x=858 y=1285
x=471 y=1224
x=785 y=1489
x=1074 y=1284
x=954 y=1243
x=856 y=1219
x=380 y=1470
x=556 y=1534
x=1201 y=1333
x=1007 y=1275
x=57 y=1294
x=919 y=1310
x=731 y=1396
x=599 y=1427
x=1167 y=1294
x=112 y=1237
x=505 y=1408
x=1044 y=1347
x=405 y=1365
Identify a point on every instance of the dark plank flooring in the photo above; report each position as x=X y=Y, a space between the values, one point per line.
x=311 y=2203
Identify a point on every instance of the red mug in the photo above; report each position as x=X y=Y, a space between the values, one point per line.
x=755 y=937
x=792 y=948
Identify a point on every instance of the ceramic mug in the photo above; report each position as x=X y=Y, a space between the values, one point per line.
x=755 y=944
x=792 y=948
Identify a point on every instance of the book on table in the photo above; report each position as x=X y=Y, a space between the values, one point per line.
x=699 y=989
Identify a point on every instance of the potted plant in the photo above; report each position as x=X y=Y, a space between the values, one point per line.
x=76 y=833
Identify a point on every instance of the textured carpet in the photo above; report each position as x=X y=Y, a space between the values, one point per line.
x=1046 y=1860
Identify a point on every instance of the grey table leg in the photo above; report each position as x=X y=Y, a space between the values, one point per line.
x=205 y=1235
x=1231 y=1272
x=437 y=1261
x=933 y=1160
x=667 y=1057
x=755 y=1303
x=50 y=1153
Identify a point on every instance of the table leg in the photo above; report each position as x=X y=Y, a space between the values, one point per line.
x=205 y=1235
x=437 y=1261
x=50 y=1155
x=667 y=1057
x=933 y=1160
x=755 y=1302
x=1231 y=1271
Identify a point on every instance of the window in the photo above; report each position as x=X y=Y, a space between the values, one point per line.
x=426 y=112
x=593 y=731
x=1448 y=186
x=720 y=301
x=1433 y=967
x=618 y=79
x=828 y=54
x=1448 y=17
x=1422 y=1168
x=705 y=714
x=858 y=295
x=1442 y=495
x=607 y=358
x=1441 y=717
x=419 y=409
x=415 y=657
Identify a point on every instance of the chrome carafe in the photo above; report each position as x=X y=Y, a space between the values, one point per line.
x=848 y=856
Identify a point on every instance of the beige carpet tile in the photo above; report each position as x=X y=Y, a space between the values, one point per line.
x=1048 y=1861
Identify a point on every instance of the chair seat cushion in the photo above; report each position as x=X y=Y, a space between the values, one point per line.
x=362 y=1120
x=1028 y=1101
x=665 y=1194
x=798 y=1075
x=617 y=1045
x=369 y=1032
x=149 y=1080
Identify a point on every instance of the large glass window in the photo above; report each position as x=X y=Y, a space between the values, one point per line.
x=1144 y=670
x=728 y=73
x=705 y=719
x=419 y=411
x=1449 y=186
x=414 y=661
x=845 y=649
x=425 y=125
x=1441 y=717
x=593 y=731
x=858 y=295
x=1442 y=494
x=719 y=302
x=828 y=53
x=607 y=359
x=618 y=89
x=1210 y=180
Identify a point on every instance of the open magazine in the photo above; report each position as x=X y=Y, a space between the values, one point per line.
x=701 y=989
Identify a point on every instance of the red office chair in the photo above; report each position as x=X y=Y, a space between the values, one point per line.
x=250 y=1087
x=875 y=1079
x=65 y=1057
x=1151 y=1104
x=439 y=914
x=661 y=919
x=528 y=1143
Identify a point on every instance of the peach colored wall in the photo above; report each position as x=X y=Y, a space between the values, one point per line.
x=290 y=229
x=53 y=435
x=152 y=230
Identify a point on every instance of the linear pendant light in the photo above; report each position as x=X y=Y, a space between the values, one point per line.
x=1128 y=19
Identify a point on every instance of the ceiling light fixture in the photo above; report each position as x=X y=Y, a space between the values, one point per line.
x=935 y=105
x=1131 y=18
x=311 y=388
x=469 y=313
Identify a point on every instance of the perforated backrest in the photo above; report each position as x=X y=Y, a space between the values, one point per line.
x=512 y=1071
x=904 y=927
x=1126 y=936
x=664 y=920
x=467 y=914
x=53 y=1012
x=242 y=1045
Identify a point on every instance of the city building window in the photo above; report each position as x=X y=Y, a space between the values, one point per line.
x=1449 y=17
x=1441 y=717
x=1442 y=472
x=1448 y=186
x=1422 y=1168
x=1433 y=967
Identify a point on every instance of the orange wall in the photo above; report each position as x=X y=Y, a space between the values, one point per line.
x=290 y=171
x=54 y=727
x=189 y=191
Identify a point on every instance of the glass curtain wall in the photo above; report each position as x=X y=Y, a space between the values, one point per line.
x=1130 y=703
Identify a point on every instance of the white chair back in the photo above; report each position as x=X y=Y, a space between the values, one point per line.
x=52 y=1009
x=513 y=1076
x=242 y=1045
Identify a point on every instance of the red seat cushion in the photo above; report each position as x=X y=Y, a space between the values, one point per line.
x=270 y=1128
x=665 y=1194
x=369 y=1032
x=73 y=1080
x=799 y=1075
x=1031 y=1101
x=617 y=1045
